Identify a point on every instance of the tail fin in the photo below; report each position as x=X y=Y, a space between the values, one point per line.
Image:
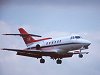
x=28 y=38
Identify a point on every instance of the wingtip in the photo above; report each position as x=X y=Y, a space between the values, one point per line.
x=2 y=49
x=3 y=34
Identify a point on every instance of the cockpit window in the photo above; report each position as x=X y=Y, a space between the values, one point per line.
x=72 y=37
x=77 y=37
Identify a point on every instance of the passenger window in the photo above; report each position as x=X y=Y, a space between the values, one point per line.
x=57 y=41
x=49 y=42
x=60 y=40
x=52 y=42
x=72 y=37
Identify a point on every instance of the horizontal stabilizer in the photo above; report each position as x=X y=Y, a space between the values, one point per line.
x=24 y=35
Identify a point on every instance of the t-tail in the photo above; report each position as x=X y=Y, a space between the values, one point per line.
x=26 y=37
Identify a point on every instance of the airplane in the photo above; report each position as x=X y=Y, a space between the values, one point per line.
x=55 y=48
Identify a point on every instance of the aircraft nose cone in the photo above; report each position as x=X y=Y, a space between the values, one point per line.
x=88 y=42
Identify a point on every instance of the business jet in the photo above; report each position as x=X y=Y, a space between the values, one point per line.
x=55 y=48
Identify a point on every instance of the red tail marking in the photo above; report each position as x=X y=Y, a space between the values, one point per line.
x=44 y=39
x=27 y=39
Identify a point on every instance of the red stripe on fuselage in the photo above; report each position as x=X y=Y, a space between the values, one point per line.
x=42 y=39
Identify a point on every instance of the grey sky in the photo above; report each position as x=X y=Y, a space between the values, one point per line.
x=48 y=13
x=51 y=18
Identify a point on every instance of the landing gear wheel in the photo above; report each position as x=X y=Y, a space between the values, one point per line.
x=59 y=61
x=80 y=55
x=42 y=60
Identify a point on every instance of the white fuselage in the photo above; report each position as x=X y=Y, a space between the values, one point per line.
x=62 y=45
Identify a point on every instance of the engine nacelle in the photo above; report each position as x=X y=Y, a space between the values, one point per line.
x=38 y=47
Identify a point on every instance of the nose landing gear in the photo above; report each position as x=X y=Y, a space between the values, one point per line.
x=80 y=55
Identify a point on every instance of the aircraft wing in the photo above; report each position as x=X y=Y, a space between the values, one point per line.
x=29 y=51
x=39 y=53
x=12 y=49
x=24 y=50
x=43 y=52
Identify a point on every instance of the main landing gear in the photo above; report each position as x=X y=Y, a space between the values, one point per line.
x=80 y=55
x=58 y=61
x=42 y=60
